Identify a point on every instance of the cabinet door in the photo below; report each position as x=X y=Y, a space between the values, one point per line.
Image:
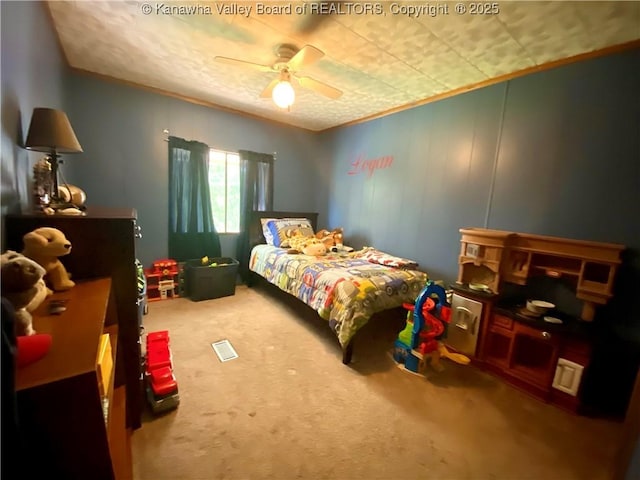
x=534 y=355
x=568 y=376
x=497 y=347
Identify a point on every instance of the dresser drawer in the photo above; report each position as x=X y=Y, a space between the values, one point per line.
x=502 y=321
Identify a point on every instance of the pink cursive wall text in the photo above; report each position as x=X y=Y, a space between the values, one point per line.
x=369 y=165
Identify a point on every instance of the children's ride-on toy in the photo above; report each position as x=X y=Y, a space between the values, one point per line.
x=426 y=325
x=162 y=387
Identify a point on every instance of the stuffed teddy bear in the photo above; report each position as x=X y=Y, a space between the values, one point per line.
x=330 y=238
x=24 y=287
x=44 y=245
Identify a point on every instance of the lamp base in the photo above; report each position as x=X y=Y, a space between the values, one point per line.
x=59 y=205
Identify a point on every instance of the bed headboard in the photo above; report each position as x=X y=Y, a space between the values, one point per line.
x=255 y=226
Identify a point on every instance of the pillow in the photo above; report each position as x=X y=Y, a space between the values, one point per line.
x=268 y=237
x=376 y=256
x=275 y=229
x=266 y=231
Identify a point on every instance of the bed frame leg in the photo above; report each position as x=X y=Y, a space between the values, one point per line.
x=347 y=353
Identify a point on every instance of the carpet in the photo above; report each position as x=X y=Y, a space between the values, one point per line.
x=287 y=408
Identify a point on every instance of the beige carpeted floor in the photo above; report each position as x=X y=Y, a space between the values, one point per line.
x=287 y=408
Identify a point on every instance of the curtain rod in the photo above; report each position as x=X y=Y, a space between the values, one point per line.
x=166 y=139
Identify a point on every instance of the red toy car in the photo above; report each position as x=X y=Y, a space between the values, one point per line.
x=162 y=387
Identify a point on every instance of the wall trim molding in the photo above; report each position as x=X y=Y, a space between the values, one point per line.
x=635 y=44
x=184 y=98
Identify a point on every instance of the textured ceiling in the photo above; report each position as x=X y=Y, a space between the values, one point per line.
x=381 y=61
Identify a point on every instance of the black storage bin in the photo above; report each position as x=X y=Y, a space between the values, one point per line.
x=204 y=282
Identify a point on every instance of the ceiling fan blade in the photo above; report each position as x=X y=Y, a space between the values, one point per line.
x=322 y=88
x=242 y=63
x=266 y=93
x=305 y=57
x=319 y=13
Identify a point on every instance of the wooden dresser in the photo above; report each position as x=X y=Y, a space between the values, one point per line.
x=103 y=245
x=71 y=415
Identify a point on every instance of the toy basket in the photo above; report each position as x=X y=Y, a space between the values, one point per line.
x=217 y=278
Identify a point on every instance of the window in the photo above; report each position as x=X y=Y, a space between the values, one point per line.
x=224 y=185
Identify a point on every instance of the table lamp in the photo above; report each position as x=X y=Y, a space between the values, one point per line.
x=51 y=132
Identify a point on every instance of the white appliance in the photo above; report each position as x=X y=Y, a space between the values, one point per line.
x=568 y=376
x=464 y=327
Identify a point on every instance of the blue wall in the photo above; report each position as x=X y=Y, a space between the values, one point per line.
x=555 y=153
x=125 y=160
x=33 y=75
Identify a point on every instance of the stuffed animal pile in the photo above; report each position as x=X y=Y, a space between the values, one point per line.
x=330 y=238
x=322 y=242
x=306 y=245
x=23 y=286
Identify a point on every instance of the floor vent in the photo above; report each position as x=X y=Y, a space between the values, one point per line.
x=224 y=350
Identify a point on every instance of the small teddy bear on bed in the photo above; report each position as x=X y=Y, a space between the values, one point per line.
x=330 y=238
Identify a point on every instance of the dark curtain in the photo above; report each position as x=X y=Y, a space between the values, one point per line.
x=192 y=234
x=256 y=193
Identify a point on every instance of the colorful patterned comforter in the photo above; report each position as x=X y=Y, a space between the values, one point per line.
x=343 y=289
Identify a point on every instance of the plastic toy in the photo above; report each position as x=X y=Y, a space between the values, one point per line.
x=166 y=267
x=426 y=325
x=162 y=280
x=162 y=387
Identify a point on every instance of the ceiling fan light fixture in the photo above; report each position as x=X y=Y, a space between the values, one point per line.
x=283 y=94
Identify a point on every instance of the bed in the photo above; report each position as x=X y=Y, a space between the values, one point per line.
x=344 y=288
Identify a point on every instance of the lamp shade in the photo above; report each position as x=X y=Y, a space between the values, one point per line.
x=51 y=132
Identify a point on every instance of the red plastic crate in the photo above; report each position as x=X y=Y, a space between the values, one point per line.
x=159 y=336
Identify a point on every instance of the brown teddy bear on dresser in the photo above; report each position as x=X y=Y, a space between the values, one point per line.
x=44 y=245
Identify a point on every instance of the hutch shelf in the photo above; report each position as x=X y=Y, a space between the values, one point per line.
x=70 y=409
x=103 y=245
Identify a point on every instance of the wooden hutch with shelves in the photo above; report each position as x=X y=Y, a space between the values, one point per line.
x=547 y=360
x=492 y=256
x=71 y=412
x=103 y=245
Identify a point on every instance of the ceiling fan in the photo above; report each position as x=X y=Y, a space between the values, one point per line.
x=318 y=15
x=289 y=63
